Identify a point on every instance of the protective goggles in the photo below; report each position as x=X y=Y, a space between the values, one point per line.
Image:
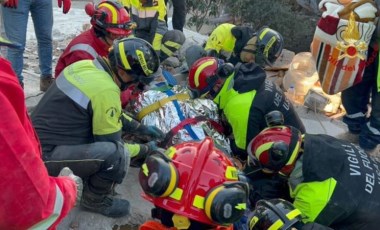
x=125 y=26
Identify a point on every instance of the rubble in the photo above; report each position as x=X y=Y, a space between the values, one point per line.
x=315 y=122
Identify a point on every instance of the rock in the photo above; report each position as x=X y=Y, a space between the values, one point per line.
x=172 y=62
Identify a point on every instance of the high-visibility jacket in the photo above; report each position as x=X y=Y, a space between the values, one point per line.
x=246 y=97
x=85 y=46
x=221 y=39
x=228 y=41
x=87 y=88
x=150 y=20
x=337 y=184
x=29 y=198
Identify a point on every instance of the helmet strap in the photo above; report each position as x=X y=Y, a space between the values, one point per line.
x=104 y=38
x=124 y=85
x=107 y=67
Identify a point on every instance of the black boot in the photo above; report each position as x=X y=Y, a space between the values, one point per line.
x=105 y=205
x=98 y=199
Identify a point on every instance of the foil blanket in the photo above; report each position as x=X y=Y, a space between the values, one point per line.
x=168 y=117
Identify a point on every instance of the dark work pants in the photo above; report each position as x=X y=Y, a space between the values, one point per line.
x=356 y=98
x=102 y=163
x=179 y=14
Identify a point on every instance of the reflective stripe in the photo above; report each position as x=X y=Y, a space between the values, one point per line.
x=98 y=65
x=170 y=152
x=262 y=148
x=199 y=202
x=143 y=13
x=210 y=199
x=293 y=214
x=177 y=194
x=84 y=47
x=166 y=51
x=200 y=69
x=172 y=183
x=231 y=173
x=58 y=204
x=157 y=41
x=123 y=57
x=263 y=33
x=355 y=115
x=253 y=222
x=372 y=129
x=294 y=153
x=112 y=9
x=276 y=225
x=71 y=91
x=172 y=44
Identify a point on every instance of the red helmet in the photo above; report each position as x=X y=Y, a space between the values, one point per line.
x=276 y=148
x=205 y=73
x=110 y=17
x=274 y=214
x=196 y=182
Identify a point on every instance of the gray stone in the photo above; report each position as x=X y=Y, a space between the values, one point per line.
x=310 y=5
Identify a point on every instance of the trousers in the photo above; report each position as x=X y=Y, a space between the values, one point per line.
x=15 y=26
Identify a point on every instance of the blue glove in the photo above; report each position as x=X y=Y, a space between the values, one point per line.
x=152 y=146
x=151 y=131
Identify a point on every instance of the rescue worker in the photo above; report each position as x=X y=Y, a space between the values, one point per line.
x=179 y=14
x=30 y=198
x=79 y=121
x=359 y=119
x=192 y=185
x=171 y=42
x=14 y=23
x=276 y=214
x=239 y=44
x=332 y=182
x=149 y=15
x=243 y=95
x=110 y=21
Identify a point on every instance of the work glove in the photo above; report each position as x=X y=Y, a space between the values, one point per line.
x=151 y=131
x=66 y=5
x=11 y=3
x=78 y=181
x=212 y=53
x=144 y=151
x=90 y=9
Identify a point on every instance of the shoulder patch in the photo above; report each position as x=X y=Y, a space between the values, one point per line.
x=112 y=112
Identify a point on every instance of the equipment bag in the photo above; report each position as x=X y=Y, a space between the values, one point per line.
x=340 y=43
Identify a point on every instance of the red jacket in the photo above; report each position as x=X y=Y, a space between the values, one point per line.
x=83 y=47
x=28 y=195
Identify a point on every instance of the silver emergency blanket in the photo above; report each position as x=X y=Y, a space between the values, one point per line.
x=167 y=116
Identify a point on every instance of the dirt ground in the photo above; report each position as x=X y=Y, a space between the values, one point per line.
x=65 y=29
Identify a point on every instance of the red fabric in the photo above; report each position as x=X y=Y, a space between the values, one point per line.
x=66 y=5
x=28 y=193
x=329 y=24
x=129 y=95
x=11 y=3
x=88 y=37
